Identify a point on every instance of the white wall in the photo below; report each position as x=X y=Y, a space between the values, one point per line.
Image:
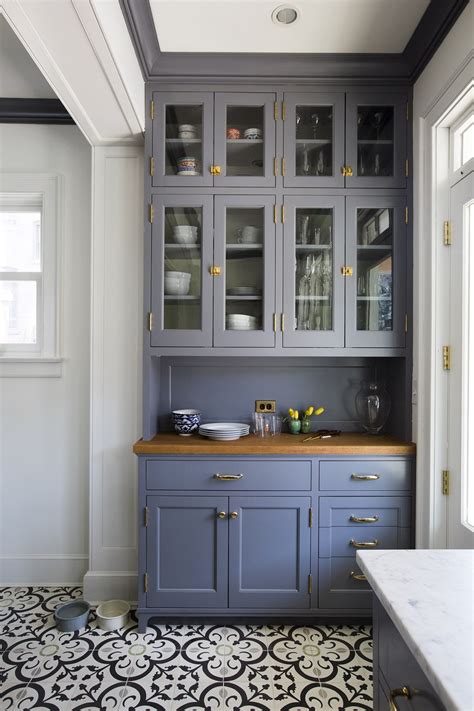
x=19 y=75
x=443 y=79
x=44 y=422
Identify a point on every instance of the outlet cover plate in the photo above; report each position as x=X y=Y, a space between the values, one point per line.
x=265 y=405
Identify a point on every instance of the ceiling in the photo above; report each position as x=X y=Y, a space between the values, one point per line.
x=323 y=26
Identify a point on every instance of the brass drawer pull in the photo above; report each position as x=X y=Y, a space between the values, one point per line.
x=364 y=544
x=221 y=514
x=364 y=519
x=404 y=691
x=365 y=477
x=228 y=477
x=358 y=576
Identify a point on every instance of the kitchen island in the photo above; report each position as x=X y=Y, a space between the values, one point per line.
x=423 y=627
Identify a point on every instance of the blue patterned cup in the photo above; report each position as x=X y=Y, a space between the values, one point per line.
x=186 y=421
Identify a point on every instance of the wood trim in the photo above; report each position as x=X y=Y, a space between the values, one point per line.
x=347 y=443
x=45 y=111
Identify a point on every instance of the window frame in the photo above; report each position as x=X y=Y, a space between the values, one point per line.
x=16 y=192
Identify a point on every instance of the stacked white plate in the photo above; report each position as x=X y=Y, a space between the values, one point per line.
x=224 y=431
x=244 y=291
x=241 y=322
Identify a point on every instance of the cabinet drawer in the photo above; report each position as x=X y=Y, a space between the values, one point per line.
x=338 y=588
x=211 y=474
x=364 y=512
x=345 y=540
x=367 y=476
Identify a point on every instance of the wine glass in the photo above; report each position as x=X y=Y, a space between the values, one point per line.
x=376 y=122
x=314 y=124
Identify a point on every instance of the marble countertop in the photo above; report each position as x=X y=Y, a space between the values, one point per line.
x=429 y=595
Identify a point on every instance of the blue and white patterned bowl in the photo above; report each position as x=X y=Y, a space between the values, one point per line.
x=186 y=421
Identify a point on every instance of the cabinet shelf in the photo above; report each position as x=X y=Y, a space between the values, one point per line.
x=312 y=298
x=372 y=142
x=182 y=297
x=374 y=298
x=243 y=298
x=181 y=141
x=314 y=141
x=313 y=247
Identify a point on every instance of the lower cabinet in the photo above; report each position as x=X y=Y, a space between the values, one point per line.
x=230 y=536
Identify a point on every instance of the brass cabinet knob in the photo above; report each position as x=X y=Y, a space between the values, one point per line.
x=404 y=691
x=215 y=270
x=234 y=514
x=215 y=170
x=221 y=514
x=348 y=171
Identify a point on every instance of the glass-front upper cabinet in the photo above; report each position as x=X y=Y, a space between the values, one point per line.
x=182 y=139
x=376 y=282
x=181 y=282
x=313 y=140
x=313 y=287
x=244 y=288
x=376 y=148
x=244 y=140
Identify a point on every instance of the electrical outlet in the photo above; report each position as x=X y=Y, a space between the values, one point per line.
x=265 y=405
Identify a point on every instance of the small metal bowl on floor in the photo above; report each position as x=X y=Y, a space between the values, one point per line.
x=112 y=615
x=72 y=616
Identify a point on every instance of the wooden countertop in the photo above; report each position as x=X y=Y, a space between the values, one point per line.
x=346 y=443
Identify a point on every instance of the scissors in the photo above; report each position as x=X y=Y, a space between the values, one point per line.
x=323 y=434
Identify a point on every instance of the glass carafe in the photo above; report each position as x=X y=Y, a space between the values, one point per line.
x=373 y=405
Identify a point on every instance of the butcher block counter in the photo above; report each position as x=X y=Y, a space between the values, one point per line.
x=347 y=443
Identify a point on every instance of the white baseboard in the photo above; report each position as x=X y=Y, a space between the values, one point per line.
x=42 y=569
x=105 y=585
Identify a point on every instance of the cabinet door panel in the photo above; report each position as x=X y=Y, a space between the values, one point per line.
x=244 y=140
x=314 y=140
x=181 y=285
x=269 y=552
x=187 y=551
x=313 y=287
x=376 y=130
x=376 y=236
x=183 y=139
x=244 y=249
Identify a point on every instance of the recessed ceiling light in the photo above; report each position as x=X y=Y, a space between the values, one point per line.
x=285 y=15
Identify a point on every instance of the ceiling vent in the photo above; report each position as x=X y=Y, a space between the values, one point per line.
x=285 y=15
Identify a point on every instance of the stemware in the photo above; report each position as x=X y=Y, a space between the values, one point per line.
x=377 y=122
x=314 y=124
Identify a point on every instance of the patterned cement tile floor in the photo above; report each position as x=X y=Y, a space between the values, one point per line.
x=176 y=667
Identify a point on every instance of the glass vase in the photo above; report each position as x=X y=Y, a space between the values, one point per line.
x=305 y=426
x=373 y=404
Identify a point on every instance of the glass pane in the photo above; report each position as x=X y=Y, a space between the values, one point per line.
x=182 y=277
x=184 y=140
x=244 y=274
x=374 y=269
x=375 y=134
x=314 y=140
x=244 y=140
x=18 y=312
x=314 y=269
x=20 y=241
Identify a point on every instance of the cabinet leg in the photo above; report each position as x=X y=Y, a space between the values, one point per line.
x=142 y=623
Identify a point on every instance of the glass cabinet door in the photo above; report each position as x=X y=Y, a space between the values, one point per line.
x=244 y=140
x=376 y=289
x=182 y=139
x=181 y=283
x=244 y=291
x=313 y=286
x=313 y=140
x=376 y=141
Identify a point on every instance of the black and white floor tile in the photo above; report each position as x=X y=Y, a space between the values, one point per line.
x=176 y=667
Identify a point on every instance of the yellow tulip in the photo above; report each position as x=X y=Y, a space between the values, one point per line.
x=309 y=411
x=297 y=415
x=319 y=411
x=291 y=412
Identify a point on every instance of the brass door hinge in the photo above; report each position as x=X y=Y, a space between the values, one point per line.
x=406 y=323
x=152 y=109
x=275 y=214
x=275 y=323
x=145 y=516
x=275 y=166
x=445 y=483
x=283 y=167
x=152 y=166
x=310 y=518
x=151 y=213
x=447 y=240
x=145 y=582
x=150 y=321
x=406 y=168
x=406 y=215
x=282 y=323
x=283 y=111
x=275 y=110
x=310 y=584
x=347 y=271
x=446 y=357
x=282 y=214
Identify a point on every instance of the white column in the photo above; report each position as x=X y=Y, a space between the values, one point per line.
x=116 y=359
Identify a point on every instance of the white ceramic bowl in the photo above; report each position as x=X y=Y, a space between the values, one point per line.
x=113 y=614
x=185 y=228
x=176 y=287
x=185 y=238
x=178 y=275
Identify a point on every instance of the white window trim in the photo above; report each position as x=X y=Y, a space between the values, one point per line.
x=46 y=361
x=455 y=148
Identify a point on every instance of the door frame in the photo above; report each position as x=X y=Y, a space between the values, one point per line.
x=431 y=310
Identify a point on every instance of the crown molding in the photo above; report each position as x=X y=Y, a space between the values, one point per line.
x=34 y=111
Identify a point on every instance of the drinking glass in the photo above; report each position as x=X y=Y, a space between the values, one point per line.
x=275 y=424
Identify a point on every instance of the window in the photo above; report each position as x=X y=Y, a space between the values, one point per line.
x=28 y=274
x=462 y=136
